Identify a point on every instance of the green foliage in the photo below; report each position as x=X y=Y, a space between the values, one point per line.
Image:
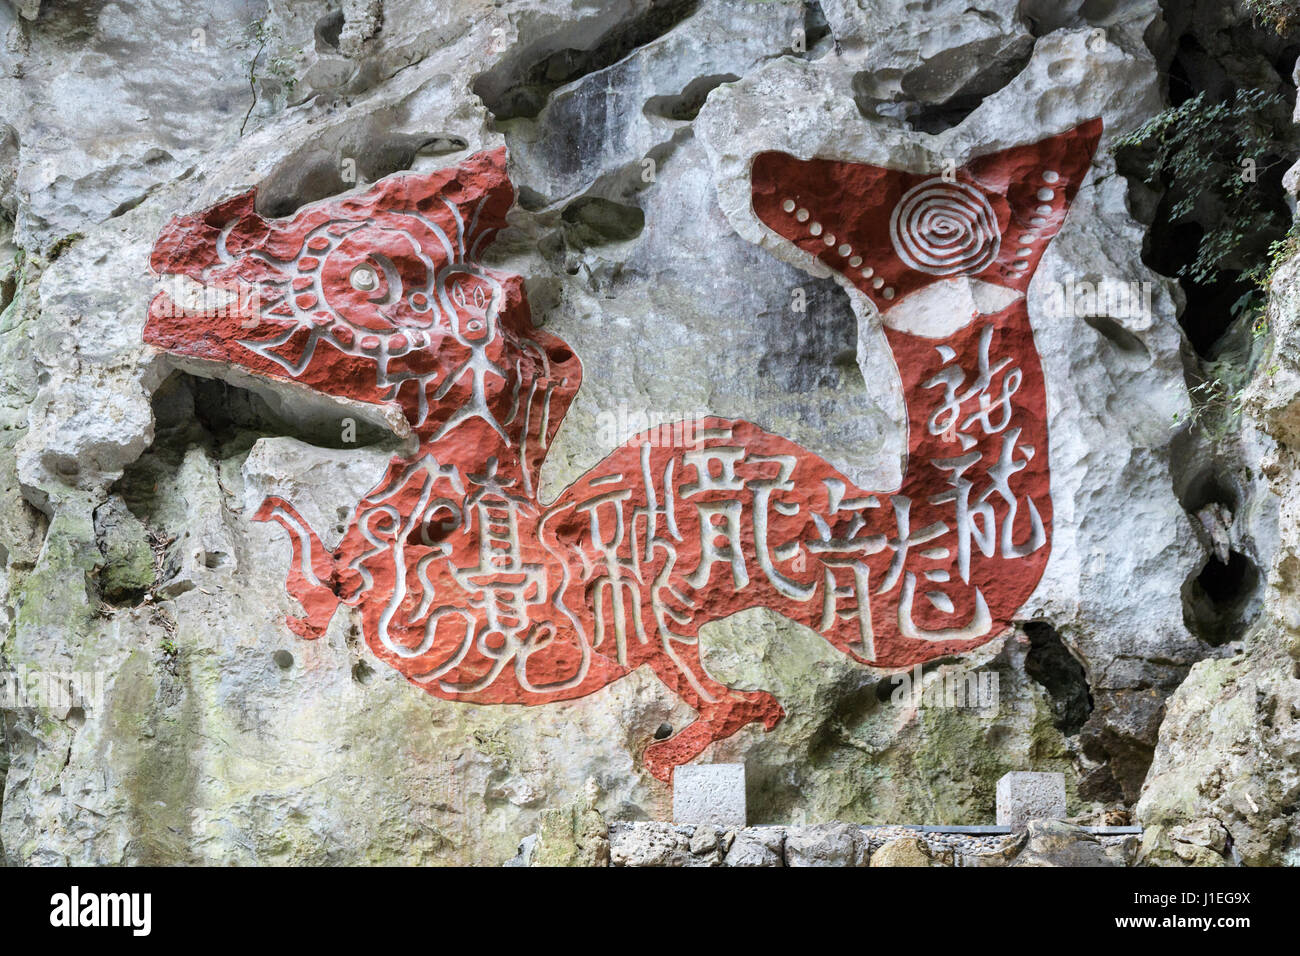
x=60 y=245
x=1219 y=398
x=276 y=69
x=1210 y=156
x=1216 y=408
x=1254 y=303
x=1282 y=15
x=1279 y=251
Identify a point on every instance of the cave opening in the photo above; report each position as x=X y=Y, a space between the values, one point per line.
x=1221 y=598
x=1211 y=236
x=1050 y=663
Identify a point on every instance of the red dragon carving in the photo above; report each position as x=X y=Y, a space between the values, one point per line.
x=476 y=590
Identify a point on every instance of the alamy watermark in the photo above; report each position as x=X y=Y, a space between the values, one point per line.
x=976 y=690
x=657 y=428
x=24 y=689
x=221 y=299
x=1083 y=299
x=74 y=909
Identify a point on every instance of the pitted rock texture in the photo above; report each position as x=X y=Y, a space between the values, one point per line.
x=1226 y=771
x=631 y=129
x=831 y=844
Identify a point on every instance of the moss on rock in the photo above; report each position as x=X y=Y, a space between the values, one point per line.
x=128 y=569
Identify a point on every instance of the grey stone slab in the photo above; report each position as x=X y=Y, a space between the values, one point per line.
x=1026 y=795
x=709 y=793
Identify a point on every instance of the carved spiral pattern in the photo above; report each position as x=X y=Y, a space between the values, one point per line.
x=945 y=229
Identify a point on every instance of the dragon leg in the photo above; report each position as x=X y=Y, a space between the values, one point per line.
x=721 y=710
x=311 y=572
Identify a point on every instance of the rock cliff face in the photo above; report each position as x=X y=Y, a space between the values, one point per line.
x=203 y=729
x=1229 y=754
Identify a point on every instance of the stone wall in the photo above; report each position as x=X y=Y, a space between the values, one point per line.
x=1042 y=843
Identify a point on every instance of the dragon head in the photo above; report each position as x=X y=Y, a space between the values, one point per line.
x=378 y=298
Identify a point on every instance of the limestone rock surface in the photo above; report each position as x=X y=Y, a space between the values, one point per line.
x=128 y=479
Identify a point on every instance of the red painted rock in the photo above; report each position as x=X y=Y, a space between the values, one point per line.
x=477 y=591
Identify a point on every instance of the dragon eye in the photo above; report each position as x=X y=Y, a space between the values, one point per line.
x=364 y=279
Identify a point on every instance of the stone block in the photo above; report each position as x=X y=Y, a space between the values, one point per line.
x=904 y=851
x=757 y=846
x=828 y=844
x=1023 y=796
x=709 y=793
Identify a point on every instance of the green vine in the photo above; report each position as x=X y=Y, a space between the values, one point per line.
x=278 y=69
x=1209 y=156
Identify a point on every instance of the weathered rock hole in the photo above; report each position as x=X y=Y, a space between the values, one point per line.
x=1125 y=341
x=939 y=117
x=816 y=31
x=530 y=199
x=212 y=560
x=1208 y=486
x=362 y=672
x=8 y=289
x=1208 y=315
x=442 y=144
x=363 y=153
x=130 y=557
x=594 y=221
x=225 y=422
x=1050 y=663
x=293 y=186
x=328 y=30
x=686 y=106
x=520 y=85
x=225 y=411
x=904 y=99
x=663 y=731
x=883 y=690
x=1042 y=17
x=123 y=208
x=283 y=659
x=1221 y=598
